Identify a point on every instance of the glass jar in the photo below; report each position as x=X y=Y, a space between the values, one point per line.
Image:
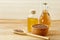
x=32 y=19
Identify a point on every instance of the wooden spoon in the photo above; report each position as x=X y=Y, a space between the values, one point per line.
x=20 y=32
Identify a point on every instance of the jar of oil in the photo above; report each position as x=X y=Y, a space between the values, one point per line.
x=45 y=17
x=32 y=19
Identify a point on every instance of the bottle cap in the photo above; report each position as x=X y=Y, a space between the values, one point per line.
x=45 y=3
x=33 y=12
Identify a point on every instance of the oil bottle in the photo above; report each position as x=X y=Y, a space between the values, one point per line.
x=45 y=16
x=32 y=19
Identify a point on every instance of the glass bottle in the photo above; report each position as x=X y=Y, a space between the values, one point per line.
x=45 y=16
x=32 y=19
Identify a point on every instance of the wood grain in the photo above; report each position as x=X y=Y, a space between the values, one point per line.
x=17 y=21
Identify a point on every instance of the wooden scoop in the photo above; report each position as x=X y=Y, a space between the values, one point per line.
x=20 y=32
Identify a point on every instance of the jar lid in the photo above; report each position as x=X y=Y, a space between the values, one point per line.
x=33 y=12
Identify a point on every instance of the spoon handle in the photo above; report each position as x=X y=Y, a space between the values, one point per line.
x=38 y=36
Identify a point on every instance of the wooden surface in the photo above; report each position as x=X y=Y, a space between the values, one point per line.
x=7 y=29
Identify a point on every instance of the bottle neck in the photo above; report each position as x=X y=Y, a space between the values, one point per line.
x=45 y=7
x=45 y=10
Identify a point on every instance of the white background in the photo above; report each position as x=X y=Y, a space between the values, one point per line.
x=20 y=9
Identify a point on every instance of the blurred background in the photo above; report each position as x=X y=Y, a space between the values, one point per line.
x=20 y=9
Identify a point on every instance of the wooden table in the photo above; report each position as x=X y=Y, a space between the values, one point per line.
x=7 y=29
